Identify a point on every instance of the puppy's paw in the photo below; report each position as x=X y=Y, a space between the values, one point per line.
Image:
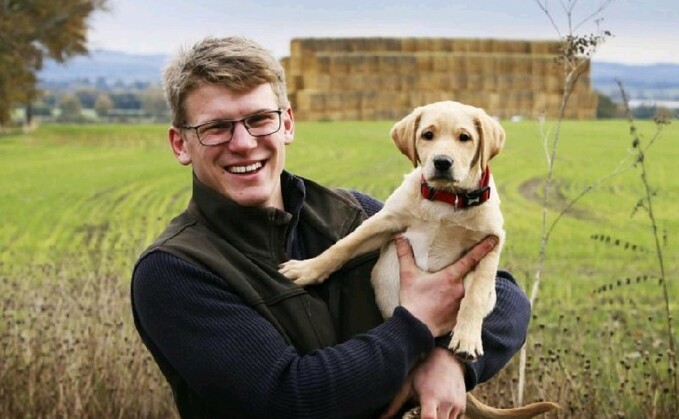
x=466 y=344
x=303 y=272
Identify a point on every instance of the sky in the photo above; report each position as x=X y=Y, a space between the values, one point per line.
x=644 y=32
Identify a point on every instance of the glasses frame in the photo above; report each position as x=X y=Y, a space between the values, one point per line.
x=235 y=122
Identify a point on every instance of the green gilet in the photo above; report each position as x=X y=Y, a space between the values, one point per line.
x=243 y=247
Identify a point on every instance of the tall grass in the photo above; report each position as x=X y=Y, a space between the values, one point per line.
x=78 y=203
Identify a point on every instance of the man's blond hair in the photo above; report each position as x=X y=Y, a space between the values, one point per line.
x=234 y=62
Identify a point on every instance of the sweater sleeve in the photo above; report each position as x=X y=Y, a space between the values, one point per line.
x=235 y=360
x=504 y=329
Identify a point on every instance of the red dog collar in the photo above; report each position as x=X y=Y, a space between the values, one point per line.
x=460 y=200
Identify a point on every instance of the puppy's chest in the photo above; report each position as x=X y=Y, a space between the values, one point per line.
x=437 y=245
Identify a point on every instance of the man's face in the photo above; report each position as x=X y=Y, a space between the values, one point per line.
x=246 y=169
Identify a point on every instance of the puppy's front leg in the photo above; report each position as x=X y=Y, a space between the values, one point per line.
x=478 y=301
x=367 y=237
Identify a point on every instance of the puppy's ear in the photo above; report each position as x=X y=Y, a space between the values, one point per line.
x=403 y=134
x=492 y=136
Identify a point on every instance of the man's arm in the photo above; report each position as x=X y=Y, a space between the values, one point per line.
x=235 y=360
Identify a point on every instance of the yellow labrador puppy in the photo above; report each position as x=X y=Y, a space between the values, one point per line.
x=443 y=207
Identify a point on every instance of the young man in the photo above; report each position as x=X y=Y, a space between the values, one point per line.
x=236 y=339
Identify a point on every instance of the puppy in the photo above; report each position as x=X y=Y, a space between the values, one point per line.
x=443 y=207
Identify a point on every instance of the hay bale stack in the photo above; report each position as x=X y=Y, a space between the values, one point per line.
x=385 y=78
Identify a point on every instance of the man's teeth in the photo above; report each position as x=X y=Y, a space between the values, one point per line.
x=245 y=169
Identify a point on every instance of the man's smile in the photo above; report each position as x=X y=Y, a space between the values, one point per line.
x=250 y=168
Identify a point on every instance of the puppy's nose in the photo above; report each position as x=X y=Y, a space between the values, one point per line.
x=443 y=163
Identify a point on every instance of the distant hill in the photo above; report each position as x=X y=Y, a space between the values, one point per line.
x=658 y=81
x=111 y=66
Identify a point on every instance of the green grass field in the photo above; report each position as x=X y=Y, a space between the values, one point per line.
x=78 y=203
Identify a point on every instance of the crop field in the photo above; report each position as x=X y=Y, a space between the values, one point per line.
x=79 y=203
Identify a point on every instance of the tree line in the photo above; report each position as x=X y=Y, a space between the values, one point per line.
x=31 y=31
x=139 y=102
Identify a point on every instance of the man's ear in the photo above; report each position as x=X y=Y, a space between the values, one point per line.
x=178 y=146
x=288 y=121
x=492 y=136
x=403 y=133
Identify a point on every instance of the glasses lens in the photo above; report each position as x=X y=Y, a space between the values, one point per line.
x=263 y=124
x=215 y=132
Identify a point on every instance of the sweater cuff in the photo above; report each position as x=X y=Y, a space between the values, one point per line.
x=419 y=338
x=470 y=375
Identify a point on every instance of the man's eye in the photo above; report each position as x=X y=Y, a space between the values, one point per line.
x=217 y=128
x=258 y=120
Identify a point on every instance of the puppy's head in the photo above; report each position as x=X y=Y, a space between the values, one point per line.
x=453 y=143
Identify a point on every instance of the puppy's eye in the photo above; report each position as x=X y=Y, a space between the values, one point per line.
x=428 y=135
x=464 y=137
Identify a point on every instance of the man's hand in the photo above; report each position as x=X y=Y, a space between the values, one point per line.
x=438 y=383
x=434 y=298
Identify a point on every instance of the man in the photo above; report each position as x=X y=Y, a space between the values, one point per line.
x=236 y=339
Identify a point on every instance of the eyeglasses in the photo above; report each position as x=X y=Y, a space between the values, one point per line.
x=220 y=131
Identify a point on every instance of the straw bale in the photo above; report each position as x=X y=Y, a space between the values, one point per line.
x=351 y=115
x=428 y=81
x=423 y=45
x=351 y=100
x=295 y=66
x=485 y=46
x=407 y=81
x=474 y=82
x=503 y=64
x=544 y=48
x=524 y=64
x=295 y=47
x=424 y=63
x=389 y=82
x=390 y=64
x=369 y=100
x=437 y=45
x=317 y=82
x=285 y=63
x=336 y=82
x=504 y=82
x=408 y=45
x=439 y=63
x=310 y=100
x=368 y=78
x=522 y=82
x=338 y=65
x=462 y=46
x=540 y=101
x=493 y=103
x=538 y=83
x=322 y=64
x=294 y=83
x=488 y=83
x=393 y=44
x=456 y=80
x=539 y=66
x=525 y=100
x=513 y=47
x=553 y=84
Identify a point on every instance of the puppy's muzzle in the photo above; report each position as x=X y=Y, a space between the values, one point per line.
x=442 y=167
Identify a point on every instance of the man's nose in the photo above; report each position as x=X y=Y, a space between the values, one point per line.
x=241 y=138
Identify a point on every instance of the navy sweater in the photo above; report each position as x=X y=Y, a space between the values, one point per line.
x=237 y=361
